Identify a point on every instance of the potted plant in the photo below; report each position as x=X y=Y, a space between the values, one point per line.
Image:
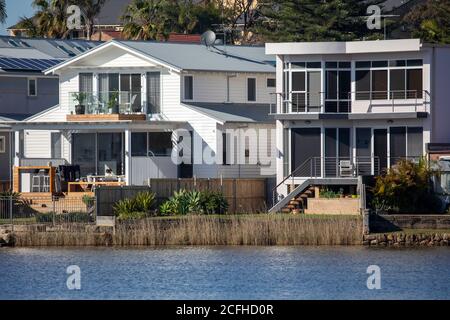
x=113 y=102
x=80 y=98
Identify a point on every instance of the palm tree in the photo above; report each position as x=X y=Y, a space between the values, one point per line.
x=146 y=20
x=50 y=20
x=91 y=9
x=3 y=14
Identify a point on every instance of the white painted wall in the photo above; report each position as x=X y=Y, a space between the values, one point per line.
x=144 y=168
x=212 y=87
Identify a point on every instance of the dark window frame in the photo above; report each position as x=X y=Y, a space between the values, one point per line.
x=251 y=92
x=188 y=87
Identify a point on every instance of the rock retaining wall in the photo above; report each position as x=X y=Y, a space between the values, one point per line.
x=401 y=239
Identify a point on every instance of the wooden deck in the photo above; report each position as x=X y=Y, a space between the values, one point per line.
x=105 y=117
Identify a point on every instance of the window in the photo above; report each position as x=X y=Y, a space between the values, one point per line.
x=271 y=83
x=394 y=79
x=188 y=87
x=379 y=84
x=337 y=86
x=224 y=149
x=151 y=144
x=66 y=51
x=56 y=145
x=32 y=87
x=251 y=89
x=139 y=144
x=154 y=92
x=2 y=144
x=414 y=83
x=160 y=143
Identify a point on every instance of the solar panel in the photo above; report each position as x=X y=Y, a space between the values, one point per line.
x=22 y=64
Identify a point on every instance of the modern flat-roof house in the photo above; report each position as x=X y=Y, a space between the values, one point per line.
x=349 y=109
x=121 y=102
x=24 y=89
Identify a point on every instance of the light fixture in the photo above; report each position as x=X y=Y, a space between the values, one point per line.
x=308 y=121
x=390 y=121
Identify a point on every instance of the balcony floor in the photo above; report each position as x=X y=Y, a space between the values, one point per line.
x=105 y=117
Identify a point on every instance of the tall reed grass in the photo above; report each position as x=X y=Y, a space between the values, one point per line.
x=260 y=230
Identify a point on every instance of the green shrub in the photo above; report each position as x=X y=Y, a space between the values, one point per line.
x=144 y=201
x=166 y=209
x=406 y=188
x=214 y=203
x=194 y=202
x=135 y=208
x=88 y=200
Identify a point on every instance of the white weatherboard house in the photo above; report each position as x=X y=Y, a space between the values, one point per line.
x=349 y=109
x=132 y=95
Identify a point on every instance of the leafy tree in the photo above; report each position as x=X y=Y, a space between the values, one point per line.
x=91 y=9
x=146 y=20
x=430 y=21
x=3 y=14
x=50 y=19
x=308 y=20
x=406 y=187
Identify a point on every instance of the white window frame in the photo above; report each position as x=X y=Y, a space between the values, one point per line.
x=2 y=144
x=256 y=89
x=35 y=87
x=184 y=87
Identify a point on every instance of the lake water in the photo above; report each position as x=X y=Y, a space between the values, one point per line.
x=225 y=273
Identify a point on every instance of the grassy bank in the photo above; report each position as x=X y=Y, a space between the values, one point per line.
x=208 y=230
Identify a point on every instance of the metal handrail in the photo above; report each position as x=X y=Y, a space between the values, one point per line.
x=315 y=163
x=285 y=102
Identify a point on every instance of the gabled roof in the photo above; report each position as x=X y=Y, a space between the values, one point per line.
x=189 y=56
x=234 y=112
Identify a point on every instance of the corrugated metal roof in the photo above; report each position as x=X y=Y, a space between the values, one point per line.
x=234 y=112
x=54 y=48
x=190 y=56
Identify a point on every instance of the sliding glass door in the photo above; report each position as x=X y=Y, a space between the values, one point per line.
x=98 y=153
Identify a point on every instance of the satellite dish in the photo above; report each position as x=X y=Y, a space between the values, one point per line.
x=208 y=38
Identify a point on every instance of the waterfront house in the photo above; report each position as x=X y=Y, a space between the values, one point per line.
x=121 y=102
x=350 y=109
x=24 y=89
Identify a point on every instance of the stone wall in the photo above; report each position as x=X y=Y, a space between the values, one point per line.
x=402 y=239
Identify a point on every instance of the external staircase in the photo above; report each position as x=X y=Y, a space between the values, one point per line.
x=302 y=182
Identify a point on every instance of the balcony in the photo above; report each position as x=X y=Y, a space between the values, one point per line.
x=106 y=106
x=351 y=105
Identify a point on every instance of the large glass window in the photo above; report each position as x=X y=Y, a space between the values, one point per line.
x=160 y=143
x=98 y=154
x=155 y=144
x=139 y=144
x=414 y=83
x=110 y=153
x=84 y=152
x=337 y=86
x=403 y=76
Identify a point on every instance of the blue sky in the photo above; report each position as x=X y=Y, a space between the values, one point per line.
x=15 y=10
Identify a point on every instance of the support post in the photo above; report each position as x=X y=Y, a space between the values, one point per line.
x=128 y=157
x=17 y=148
